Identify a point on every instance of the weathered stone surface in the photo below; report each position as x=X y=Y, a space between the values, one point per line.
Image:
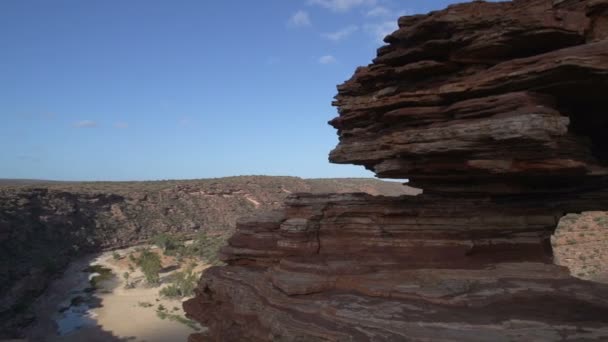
x=497 y=110
x=483 y=93
x=580 y=243
x=356 y=268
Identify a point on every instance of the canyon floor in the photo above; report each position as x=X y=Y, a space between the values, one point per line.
x=46 y=225
x=112 y=312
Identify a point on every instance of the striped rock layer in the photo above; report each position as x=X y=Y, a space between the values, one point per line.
x=498 y=111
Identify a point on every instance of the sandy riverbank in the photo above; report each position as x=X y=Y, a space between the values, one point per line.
x=113 y=312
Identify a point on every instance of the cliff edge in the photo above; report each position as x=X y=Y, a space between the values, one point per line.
x=496 y=110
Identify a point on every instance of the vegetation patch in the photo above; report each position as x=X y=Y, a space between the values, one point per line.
x=150 y=265
x=162 y=314
x=203 y=246
x=145 y=304
x=103 y=274
x=168 y=243
x=183 y=285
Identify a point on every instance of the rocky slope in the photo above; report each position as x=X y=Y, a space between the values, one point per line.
x=45 y=225
x=496 y=111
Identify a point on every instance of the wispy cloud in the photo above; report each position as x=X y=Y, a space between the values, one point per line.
x=342 y=5
x=378 y=11
x=381 y=30
x=327 y=59
x=299 y=19
x=85 y=124
x=340 y=34
x=121 y=125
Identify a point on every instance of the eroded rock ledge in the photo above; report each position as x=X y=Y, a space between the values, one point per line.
x=497 y=111
x=508 y=95
x=357 y=267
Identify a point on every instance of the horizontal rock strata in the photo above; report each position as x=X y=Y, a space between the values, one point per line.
x=357 y=268
x=483 y=92
x=497 y=110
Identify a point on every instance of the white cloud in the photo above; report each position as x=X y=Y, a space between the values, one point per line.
x=342 y=5
x=341 y=34
x=378 y=11
x=85 y=123
x=121 y=125
x=381 y=30
x=327 y=59
x=299 y=19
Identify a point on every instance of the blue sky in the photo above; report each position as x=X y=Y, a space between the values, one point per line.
x=143 y=89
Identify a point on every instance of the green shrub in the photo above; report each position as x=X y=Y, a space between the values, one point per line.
x=150 y=264
x=104 y=273
x=161 y=314
x=115 y=255
x=206 y=247
x=177 y=318
x=145 y=304
x=184 y=283
x=171 y=291
x=165 y=242
x=126 y=276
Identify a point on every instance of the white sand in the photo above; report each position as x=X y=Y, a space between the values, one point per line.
x=120 y=316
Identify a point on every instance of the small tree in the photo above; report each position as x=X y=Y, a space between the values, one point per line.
x=183 y=285
x=207 y=247
x=150 y=264
x=126 y=276
x=165 y=241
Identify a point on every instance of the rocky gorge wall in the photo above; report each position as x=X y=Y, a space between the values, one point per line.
x=496 y=110
x=44 y=226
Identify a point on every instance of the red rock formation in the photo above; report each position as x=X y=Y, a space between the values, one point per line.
x=485 y=93
x=496 y=110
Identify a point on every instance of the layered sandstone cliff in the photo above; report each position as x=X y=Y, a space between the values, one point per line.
x=497 y=111
x=505 y=97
